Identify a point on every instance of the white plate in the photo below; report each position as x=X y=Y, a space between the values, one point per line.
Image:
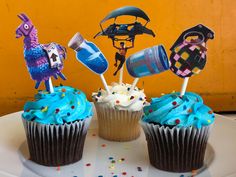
x=220 y=157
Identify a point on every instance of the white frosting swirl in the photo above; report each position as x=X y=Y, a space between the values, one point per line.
x=120 y=98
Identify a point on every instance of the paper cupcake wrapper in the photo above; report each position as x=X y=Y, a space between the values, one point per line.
x=54 y=145
x=176 y=149
x=118 y=125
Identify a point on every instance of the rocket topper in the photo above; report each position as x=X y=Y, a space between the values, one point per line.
x=147 y=62
x=188 y=57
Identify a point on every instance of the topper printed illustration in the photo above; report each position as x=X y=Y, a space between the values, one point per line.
x=90 y=56
x=149 y=61
x=124 y=33
x=43 y=60
x=188 y=55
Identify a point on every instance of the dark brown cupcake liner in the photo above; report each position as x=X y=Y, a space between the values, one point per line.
x=118 y=125
x=55 y=145
x=176 y=149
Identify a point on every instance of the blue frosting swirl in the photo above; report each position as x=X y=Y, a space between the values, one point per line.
x=173 y=110
x=65 y=105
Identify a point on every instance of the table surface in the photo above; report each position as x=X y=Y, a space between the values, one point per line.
x=14 y=154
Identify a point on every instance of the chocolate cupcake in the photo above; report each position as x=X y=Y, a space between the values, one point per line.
x=56 y=125
x=177 y=130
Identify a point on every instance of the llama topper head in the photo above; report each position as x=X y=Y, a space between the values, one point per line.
x=25 y=27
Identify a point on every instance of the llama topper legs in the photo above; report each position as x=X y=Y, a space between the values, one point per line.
x=37 y=84
x=62 y=76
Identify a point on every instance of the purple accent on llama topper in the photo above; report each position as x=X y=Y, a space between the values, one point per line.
x=36 y=57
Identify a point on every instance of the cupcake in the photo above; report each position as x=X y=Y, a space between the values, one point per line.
x=56 y=126
x=177 y=130
x=119 y=113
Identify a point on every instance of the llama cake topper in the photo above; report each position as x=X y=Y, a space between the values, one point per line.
x=189 y=52
x=43 y=60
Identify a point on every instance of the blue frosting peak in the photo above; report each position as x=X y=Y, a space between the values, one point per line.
x=65 y=105
x=186 y=111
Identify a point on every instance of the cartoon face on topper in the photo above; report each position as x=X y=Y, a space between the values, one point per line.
x=25 y=28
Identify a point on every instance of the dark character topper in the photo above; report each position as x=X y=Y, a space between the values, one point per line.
x=121 y=55
x=41 y=65
x=124 y=32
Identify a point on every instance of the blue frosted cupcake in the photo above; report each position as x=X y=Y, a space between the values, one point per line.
x=177 y=129
x=56 y=126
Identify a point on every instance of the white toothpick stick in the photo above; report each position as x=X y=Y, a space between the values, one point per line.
x=133 y=85
x=184 y=86
x=121 y=75
x=51 y=89
x=105 y=84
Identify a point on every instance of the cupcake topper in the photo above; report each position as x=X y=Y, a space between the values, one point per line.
x=43 y=60
x=147 y=62
x=124 y=33
x=90 y=56
x=188 y=55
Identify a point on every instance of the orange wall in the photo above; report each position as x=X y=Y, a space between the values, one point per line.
x=58 y=20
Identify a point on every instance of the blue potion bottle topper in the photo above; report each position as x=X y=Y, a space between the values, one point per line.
x=88 y=54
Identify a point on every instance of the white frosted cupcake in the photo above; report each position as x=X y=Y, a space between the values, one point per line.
x=119 y=113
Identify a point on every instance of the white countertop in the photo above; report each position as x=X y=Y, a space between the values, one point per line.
x=220 y=156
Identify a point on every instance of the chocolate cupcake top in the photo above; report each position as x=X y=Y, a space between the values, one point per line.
x=120 y=98
x=173 y=110
x=65 y=105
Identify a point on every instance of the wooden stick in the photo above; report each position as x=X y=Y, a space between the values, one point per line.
x=105 y=84
x=121 y=75
x=133 y=85
x=184 y=86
